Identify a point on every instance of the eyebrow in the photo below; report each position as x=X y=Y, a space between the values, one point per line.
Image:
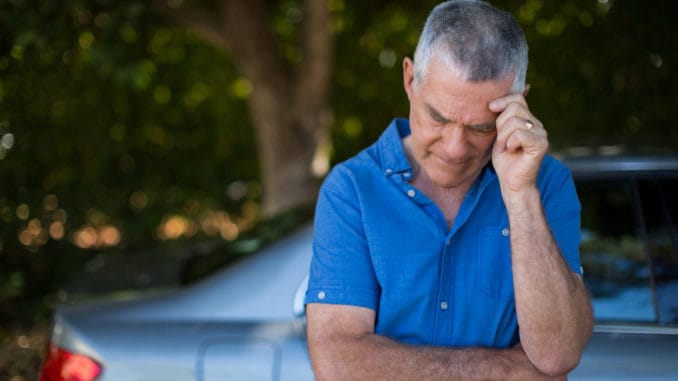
x=435 y=114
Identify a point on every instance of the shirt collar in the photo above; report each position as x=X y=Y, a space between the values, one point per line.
x=391 y=150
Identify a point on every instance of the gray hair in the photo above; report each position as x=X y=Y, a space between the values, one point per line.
x=474 y=39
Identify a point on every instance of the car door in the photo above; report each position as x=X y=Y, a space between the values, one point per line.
x=629 y=254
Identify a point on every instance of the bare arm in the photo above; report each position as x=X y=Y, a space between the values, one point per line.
x=554 y=313
x=553 y=308
x=343 y=346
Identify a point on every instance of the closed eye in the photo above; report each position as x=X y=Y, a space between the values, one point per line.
x=483 y=128
x=436 y=116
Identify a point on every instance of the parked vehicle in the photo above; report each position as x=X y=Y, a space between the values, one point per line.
x=246 y=321
x=629 y=252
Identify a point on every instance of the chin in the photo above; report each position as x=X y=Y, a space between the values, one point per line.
x=449 y=178
x=447 y=181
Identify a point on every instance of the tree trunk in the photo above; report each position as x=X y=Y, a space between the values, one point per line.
x=288 y=104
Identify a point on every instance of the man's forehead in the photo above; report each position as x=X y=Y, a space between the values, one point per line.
x=471 y=117
x=440 y=73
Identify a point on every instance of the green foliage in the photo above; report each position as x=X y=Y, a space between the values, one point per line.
x=117 y=119
x=103 y=99
x=603 y=72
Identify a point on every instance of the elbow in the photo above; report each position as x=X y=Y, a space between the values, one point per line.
x=326 y=369
x=321 y=363
x=557 y=365
x=327 y=355
x=558 y=360
x=561 y=359
x=322 y=374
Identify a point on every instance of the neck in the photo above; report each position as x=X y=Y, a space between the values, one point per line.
x=448 y=199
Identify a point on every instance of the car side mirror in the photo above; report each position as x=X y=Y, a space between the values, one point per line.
x=298 y=306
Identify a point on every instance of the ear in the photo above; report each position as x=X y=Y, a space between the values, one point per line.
x=408 y=76
x=527 y=89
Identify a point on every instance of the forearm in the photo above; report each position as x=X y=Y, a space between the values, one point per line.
x=554 y=313
x=372 y=357
x=341 y=349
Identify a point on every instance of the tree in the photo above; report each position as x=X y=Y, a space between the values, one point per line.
x=288 y=103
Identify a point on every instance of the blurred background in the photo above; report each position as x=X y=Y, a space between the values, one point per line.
x=136 y=135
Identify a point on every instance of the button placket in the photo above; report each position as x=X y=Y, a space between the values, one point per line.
x=443 y=320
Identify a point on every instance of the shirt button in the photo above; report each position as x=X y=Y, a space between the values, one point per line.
x=411 y=193
x=443 y=306
x=407 y=174
x=389 y=171
x=321 y=295
x=505 y=232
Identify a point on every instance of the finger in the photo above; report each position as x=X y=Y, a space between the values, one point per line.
x=515 y=133
x=506 y=129
x=514 y=109
x=516 y=141
x=500 y=104
x=522 y=140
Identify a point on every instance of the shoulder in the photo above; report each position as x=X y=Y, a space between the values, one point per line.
x=348 y=174
x=553 y=170
x=556 y=185
x=550 y=163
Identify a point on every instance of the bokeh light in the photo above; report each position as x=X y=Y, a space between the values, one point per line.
x=89 y=237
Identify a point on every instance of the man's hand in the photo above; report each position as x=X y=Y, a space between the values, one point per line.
x=520 y=146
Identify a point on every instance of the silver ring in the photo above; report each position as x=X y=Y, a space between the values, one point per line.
x=529 y=124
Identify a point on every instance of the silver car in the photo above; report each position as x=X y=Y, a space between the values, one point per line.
x=246 y=322
x=629 y=252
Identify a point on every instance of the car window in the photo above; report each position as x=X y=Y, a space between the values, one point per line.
x=612 y=252
x=659 y=215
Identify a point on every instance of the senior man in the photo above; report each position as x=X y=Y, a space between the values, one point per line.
x=448 y=250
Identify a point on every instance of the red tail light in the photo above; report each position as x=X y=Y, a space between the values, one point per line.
x=62 y=365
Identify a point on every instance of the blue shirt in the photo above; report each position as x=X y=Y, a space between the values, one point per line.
x=382 y=244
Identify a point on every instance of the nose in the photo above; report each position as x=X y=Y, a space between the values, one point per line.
x=455 y=142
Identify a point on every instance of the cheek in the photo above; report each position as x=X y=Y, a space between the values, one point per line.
x=422 y=135
x=424 y=138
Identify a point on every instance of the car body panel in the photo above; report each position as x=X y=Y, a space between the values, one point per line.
x=629 y=352
x=246 y=309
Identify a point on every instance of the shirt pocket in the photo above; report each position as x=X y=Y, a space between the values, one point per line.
x=494 y=276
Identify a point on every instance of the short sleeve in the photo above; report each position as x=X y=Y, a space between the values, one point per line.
x=341 y=268
x=563 y=212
